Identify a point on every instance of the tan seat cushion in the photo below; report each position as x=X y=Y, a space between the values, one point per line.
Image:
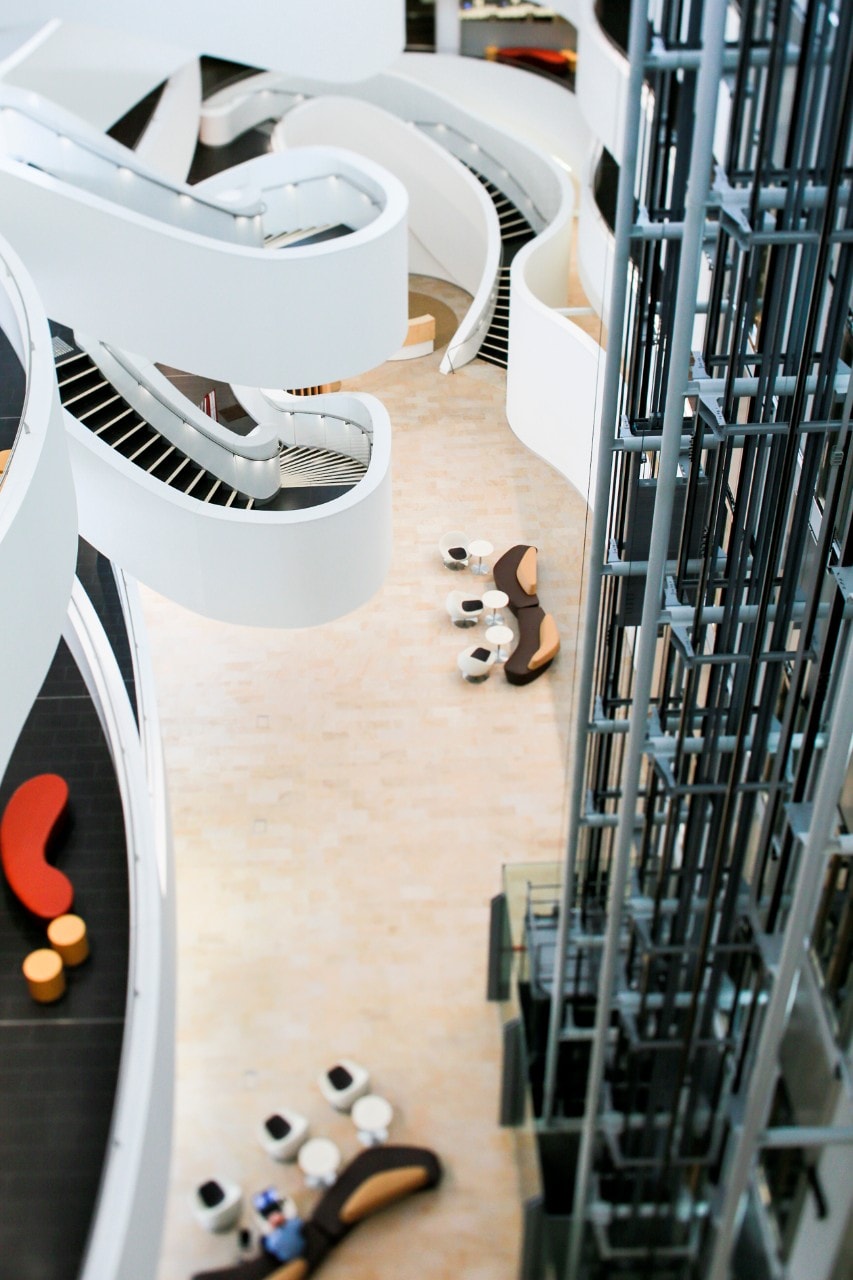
x=549 y=643
x=526 y=571
x=294 y=1270
x=381 y=1189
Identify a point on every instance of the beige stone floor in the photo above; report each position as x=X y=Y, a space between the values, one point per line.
x=343 y=803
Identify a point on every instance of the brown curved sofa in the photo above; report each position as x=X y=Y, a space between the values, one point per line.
x=538 y=639
x=538 y=646
x=377 y=1177
x=516 y=574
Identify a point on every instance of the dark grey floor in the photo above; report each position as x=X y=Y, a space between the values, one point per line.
x=59 y=1063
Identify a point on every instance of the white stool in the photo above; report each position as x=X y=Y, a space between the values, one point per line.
x=343 y=1083
x=217 y=1204
x=319 y=1159
x=476 y=663
x=283 y=1133
x=371 y=1116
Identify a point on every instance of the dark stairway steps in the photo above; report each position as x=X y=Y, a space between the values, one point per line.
x=515 y=232
x=93 y=401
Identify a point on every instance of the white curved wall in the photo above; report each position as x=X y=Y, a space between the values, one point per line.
x=554 y=369
x=595 y=253
x=38 y=517
x=291 y=318
x=341 y=40
x=601 y=82
x=272 y=568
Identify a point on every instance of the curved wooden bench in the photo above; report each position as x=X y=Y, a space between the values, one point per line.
x=516 y=574
x=377 y=1177
x=31 y=820
x=538 y=645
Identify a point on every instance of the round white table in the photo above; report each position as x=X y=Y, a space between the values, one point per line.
x=480 y=548
x=494 y=602
x=500 y=636
x=319 y=1159
x=371 y=1115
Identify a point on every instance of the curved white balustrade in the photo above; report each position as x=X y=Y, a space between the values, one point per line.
x=243 y=105
x=128 y=1218
x=509 y=101
x=247 y=463
x=453 y=227
x=342 y=40
x=38 y=517
x=340 y=420
x=555 y=370
x=311 y=314
x=259 y=568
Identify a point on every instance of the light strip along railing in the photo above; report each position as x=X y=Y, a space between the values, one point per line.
x=275 y=195
x=135 y=188
x=467 y=150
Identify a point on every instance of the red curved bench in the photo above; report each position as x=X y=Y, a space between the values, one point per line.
x=29 y=821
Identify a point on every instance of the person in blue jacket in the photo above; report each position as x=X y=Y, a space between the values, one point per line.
x=285 y=1240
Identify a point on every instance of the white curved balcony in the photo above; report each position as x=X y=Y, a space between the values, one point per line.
x=279 y=568
x=601 y=82
x=341 y=40
x=38 y=517
x=312 y=314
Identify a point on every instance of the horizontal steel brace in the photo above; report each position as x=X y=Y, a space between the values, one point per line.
x=793 y=1135
x=659 y=58
x=784 y=385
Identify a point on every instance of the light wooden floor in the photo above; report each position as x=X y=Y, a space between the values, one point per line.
x=343 y=803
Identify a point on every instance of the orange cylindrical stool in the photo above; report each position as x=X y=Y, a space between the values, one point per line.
x=67 y=935
x=45 y=975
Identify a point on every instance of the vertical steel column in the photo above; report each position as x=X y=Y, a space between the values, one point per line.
x=637 y=39
x=707 y=88
x=741 y=1151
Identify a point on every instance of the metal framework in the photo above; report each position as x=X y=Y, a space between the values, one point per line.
x=706 y=868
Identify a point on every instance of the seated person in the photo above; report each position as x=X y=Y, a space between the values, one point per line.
x=284 y=1241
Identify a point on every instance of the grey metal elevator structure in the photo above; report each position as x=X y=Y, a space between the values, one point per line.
x=689 y=988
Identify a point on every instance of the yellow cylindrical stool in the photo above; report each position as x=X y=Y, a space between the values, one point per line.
x=45 y=975
x=67 y=935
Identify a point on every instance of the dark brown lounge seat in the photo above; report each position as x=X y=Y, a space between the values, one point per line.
x=515 y=573
x=377 y=1177
x=538 y=645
